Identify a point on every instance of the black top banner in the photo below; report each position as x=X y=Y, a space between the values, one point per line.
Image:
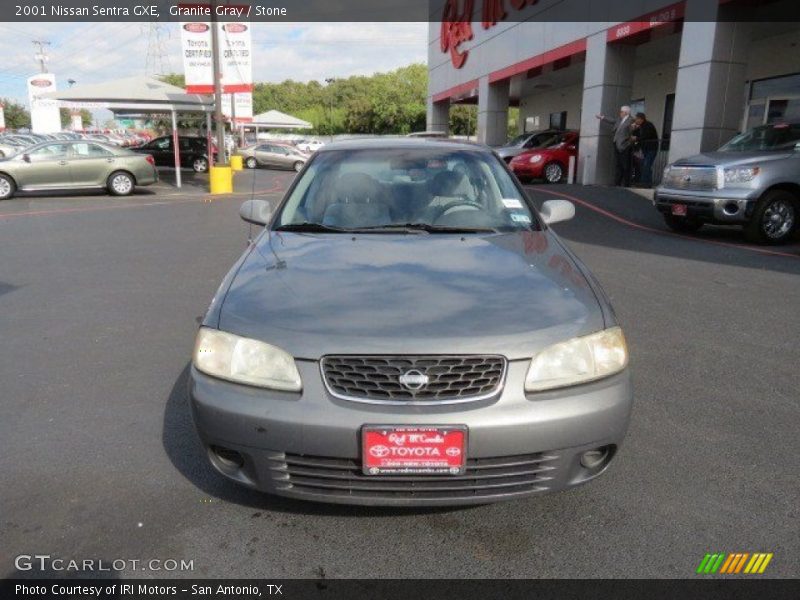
x=398 y=10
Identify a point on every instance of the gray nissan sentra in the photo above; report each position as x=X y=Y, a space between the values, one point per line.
x=409 y=330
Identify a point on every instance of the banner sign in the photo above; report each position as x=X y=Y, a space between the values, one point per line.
x=235 y=57
x=2 y=118
x=45 y=117
x=244 y=106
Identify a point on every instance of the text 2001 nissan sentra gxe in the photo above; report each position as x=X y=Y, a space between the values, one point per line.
x=409 y=331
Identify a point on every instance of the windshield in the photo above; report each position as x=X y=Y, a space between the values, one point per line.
x=422 y=189
x=777 y=137
x=519 y=140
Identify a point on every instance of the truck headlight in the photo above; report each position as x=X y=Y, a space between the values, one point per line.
x=535 y=158
x=578 y=360
x=740 y=174
x=242 y=360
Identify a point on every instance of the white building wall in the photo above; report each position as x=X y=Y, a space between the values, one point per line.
x=542 y=103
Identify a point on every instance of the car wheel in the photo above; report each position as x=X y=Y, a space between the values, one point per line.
x=121 y=184
x=774 y=220
x=7 y=187
x=682 y=224
x=251 y=163
x=200 y=164
x=553 y=172
x=298 y=166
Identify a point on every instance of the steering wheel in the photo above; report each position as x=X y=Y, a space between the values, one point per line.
x=468 y=204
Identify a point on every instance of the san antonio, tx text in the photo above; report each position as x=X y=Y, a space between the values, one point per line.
x=137 y=590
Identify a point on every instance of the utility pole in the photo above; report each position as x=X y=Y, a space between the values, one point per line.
x=41 y=55
x=222 y=159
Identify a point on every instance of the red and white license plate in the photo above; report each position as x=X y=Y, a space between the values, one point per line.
x=679 y=210
x=423 y=450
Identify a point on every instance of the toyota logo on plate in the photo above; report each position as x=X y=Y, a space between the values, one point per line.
x=413 y=380
x=379 y=451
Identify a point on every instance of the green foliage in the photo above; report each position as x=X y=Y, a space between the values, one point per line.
x=382 y=103
x=17 y=116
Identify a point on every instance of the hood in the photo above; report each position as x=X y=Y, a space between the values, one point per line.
x=730 y=158
x=510 y=294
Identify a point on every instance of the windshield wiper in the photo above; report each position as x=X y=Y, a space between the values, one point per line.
x=427 y=227
x=311 y=228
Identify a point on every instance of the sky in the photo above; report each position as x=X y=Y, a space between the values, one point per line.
x=96 y=52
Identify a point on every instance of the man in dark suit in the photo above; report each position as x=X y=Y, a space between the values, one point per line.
x=645 y=138
x=622 y=144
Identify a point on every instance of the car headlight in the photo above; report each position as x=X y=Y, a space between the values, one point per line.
x=535 y=158
x=242 y=360
x=740 y=174
x=578 y=360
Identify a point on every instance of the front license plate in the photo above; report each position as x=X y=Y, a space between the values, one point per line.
x=423 y=450
x=679 y=210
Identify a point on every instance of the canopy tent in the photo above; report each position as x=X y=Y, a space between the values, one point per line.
x=275 y=119
x=142 y=95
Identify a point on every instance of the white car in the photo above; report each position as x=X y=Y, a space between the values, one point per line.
x=310 y=145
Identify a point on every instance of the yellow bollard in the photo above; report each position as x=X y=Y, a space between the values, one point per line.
x=236 y=162
x=220 y=180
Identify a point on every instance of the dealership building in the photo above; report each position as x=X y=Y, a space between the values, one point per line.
x=702 y=70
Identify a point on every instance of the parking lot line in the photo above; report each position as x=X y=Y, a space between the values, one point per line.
x=641 y=227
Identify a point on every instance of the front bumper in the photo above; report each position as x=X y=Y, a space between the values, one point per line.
x=735 y=207
x=528 y=169
x=307 y=445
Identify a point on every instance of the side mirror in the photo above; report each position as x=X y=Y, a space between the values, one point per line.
x=555 y=211
x=257 y=212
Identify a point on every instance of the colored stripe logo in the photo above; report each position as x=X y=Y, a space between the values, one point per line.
x=734 y=563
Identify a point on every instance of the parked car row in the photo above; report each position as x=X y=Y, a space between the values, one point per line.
x=193 y=151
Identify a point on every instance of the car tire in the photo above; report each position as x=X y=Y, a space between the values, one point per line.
x=774 y=220
x=553 y=172
x=120 y=183
x=200 y=164
x=298 y=166
x=7 y=187
x=251 y=163
x=682 y=224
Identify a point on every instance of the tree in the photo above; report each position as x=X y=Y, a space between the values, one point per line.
x=17 y=116
x=176 y=79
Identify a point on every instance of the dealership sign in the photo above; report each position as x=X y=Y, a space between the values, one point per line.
x=244 y=107
x=457 y=19
x=45 y=117
x=235 y=57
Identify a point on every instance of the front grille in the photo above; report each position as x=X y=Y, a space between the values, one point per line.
x=690 y=178
x=449 y=378
x=484 y=478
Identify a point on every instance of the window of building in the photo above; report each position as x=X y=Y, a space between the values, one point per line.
x=558 y=120
x=786 y=85
x=637 y=106
x=666 y=128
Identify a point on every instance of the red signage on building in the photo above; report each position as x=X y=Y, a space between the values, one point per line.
x=457 y=23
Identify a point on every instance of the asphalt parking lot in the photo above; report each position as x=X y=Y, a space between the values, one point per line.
x=99 y=303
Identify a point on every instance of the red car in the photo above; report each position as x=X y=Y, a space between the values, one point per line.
x=548 y=161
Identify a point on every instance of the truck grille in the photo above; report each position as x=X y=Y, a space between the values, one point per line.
x=690 y=178
x=404 y=379
x=484 y=478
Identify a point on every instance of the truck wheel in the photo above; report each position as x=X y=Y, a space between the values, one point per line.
x=682 y=224
x=7 y=187
x=774 y=220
